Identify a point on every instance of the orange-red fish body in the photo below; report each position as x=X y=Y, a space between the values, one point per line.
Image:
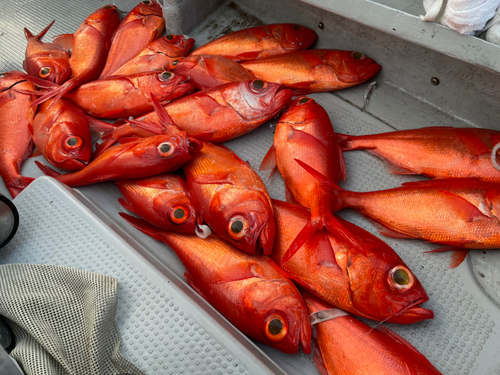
x=346 y=346
x=460 y=213
x=315 y=70
x=16 y=117
x=231 y=198
x=62 y=135
x=205 y=71
x=134 y=159
x=225 y=112
x=141 y=26
x=248 y=290
x=260 y=41
x=89 y=49
x=372 y=282
x=440 y=152
x=48 y=61
x=157 y=55
x=125 y=96
x=162 y=201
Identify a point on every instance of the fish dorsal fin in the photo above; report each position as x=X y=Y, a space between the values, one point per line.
x=64 y=40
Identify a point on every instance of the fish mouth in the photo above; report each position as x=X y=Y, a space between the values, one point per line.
x=194 y=145
x=373 y=68
x=413 y=313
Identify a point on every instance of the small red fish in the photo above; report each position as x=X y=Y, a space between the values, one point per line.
x=346 y=346
x=371 y=281
x=205 y=71
x=62 y=135
x=157 y=55
x=260 y=41
x=16 y=117
x=162 y=201
x=436 y=152
x=89 y=48
x=248 y=290
x=133 y=159
x=141 y=26
x=315 y=70
x=48 y=61
x=231 y=198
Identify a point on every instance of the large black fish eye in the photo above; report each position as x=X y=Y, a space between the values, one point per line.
x=146 y=2
x=165 y=76
x=275 y=327
x=72 y=142
x=165 y=147
x=297 y=26
x=357 y=56
x=169 y=37
x=237 y=226
x=108 y=7
x=179 y=213
x=401 y=277
x=304 y=100
x=258 y=84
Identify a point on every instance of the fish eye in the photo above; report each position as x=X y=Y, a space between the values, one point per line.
x=304 y=100
x=401 y=278
x=175 y=62
x=258 y=84
x=45 y=72
x=178 y=215
x=276 y=327
x=166 y=149
x=297 y=26
x=3 y=74
x=108 y=7
x=146 y=2
x=357 y=56
x=73 y=142
x=237 y=227
x=169 y=37
x=165 y=76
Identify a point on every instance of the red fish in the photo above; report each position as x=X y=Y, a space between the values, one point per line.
x=62 y=135
x=205 y=71
x=459 y=213
x=89 y=48
x=48 y=61
x=315 y=70
x=305 y=132
x=231 y=198
x=162 y=201
x=225 y=112
x=141 y=26
x=157 y=55
x=371 y=281
x=16 y=116
x=133 y=159
x=436 y=152
x=260 y=41
x=345 y=346
x=248 y=290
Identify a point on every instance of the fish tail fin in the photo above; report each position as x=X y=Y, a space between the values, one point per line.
x=101 y=147
x=336 y=228
x=46 y=170
x=17 y=186
x=345 y=142
x=99 y=126
x=334 y=189
x=141 y=225
x=458 y=255
x=309 y=229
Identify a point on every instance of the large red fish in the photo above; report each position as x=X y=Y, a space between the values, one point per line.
x=231 y=198
x=459 y=213
x=371 y=281
x=346 y=346
x=315 y=70
x=16 y=116
x=162 y=201
x=134 y=159
x=48 y=61
x=62 y=135
x=260 y=41
x=225 y=112
x=205 y=71
x=248 y=290
x=141 y=26
x=89 y=48
x=157 y=55
x=305 y=132
x=440 y=152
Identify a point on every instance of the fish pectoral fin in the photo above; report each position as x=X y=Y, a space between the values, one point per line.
x=269 y=161
x=35 y=153
x=127 y=140
x=141 y=225
x=240 y=271
x=458 y=254
x=124 y=204
x=216 y=179
x=393 y=168
x=193 y=285
x=247 y=56
x=389 y=232
x=64 y=40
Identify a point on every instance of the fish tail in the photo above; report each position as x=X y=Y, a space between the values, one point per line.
x=46 y=170
x=17 y=186
x=338 y=230
x=57 y=93
x=99 y=126
x=345 y=142
x=141 y=225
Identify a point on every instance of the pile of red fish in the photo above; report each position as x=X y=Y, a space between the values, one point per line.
x=123 y=70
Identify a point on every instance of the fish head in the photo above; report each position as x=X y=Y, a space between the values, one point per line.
x=148 y=8
x=245 y=218
x=381 y=286
x=300 y=110
x=173 y=64
x=352 y=67
x=49 y=68
x=281 y=315
x=256 y=100
x=106 y=12
x=293 y=37
x=165 y=86
x=173 y=45
x=175 y=149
